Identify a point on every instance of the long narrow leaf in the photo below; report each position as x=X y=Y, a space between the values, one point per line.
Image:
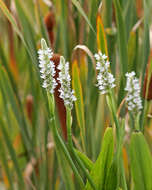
x=76 y=83
x=13 y=155
x=102 y=165
x=141 y=162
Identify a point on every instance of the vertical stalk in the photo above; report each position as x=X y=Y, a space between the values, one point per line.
x=71 y=148
x=124 y=184
x=59 y=142
x=112 y=107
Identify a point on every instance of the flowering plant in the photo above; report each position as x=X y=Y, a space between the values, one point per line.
x=85 y=124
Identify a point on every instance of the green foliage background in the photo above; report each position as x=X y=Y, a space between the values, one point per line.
x=28 y=156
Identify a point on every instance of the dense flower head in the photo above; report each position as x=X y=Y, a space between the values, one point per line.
x=64 y=78
x=105 y=80
x=133 y=99
x=47 y=67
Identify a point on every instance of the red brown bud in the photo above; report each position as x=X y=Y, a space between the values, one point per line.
x=29 y=106
x=59 y=102
x=149 y=90
x=50 y=23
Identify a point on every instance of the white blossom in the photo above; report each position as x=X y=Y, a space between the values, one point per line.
x=47 y=67
x=105 y=80
x=133 y=99
x=64 y=78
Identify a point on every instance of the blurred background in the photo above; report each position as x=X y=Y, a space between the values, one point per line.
x=76 y=30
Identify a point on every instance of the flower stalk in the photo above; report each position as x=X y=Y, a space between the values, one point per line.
x=68 y=97
x=72 y=150
x=105 y=83
x=49 y=83
x=59 y=140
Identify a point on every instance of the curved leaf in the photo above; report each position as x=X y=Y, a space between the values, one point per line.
x=101 y=36
x=141 y=162
x=76 y=83
x=102 y=165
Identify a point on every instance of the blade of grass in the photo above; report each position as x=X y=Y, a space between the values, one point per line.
x=145 y=52
x=8 y=92
x=80 y=9
x=79 y=105
x=86 y=161
x=28 y=33
x=132 y=50
x=141 y=162
x=102 y=165
x=107 y=13
x=42 y=25
x=101 y=36
x=5 y=165
x=13 y=156
x=11 y=19
x=122 y=41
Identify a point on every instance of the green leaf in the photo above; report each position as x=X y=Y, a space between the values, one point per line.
x=132 y=49
x=65 y=169
x=42 y=26
x=107 y=13
x=28 y=33
x=80 y=9
x=101 y=36
x=91 y=42
x=111 y=179
x=101 y=167
x=145 y=50
x=5 y=164
x=79 y=105
x=86 y=161
x=122 y=41
x=7 y=91
x=140 y=162
x=11 y=19
x=7 y=68
x=13 y=155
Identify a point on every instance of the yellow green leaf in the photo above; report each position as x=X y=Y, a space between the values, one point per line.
x=102 y=166
x=140 y=162
x=101 y=36
x=79 y=106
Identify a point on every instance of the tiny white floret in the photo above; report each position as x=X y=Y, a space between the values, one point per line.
x=105 y=80
x=133 y=98
x=47 y=67
x=65 y=80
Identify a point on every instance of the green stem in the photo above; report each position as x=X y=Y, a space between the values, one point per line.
x=124 y=184
x=58 y=140
x=112 y=107
x=71 y=148
x=137 y=126
x=143 y=119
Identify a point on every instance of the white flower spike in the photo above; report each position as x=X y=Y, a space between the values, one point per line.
x=64 y=78
x=133 y=99
x=105 y=80
x=47 y=67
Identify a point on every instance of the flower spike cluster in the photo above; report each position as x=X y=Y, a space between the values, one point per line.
x=64 y=78
x=133 y=99
x=47 y=67
x=105 y=80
